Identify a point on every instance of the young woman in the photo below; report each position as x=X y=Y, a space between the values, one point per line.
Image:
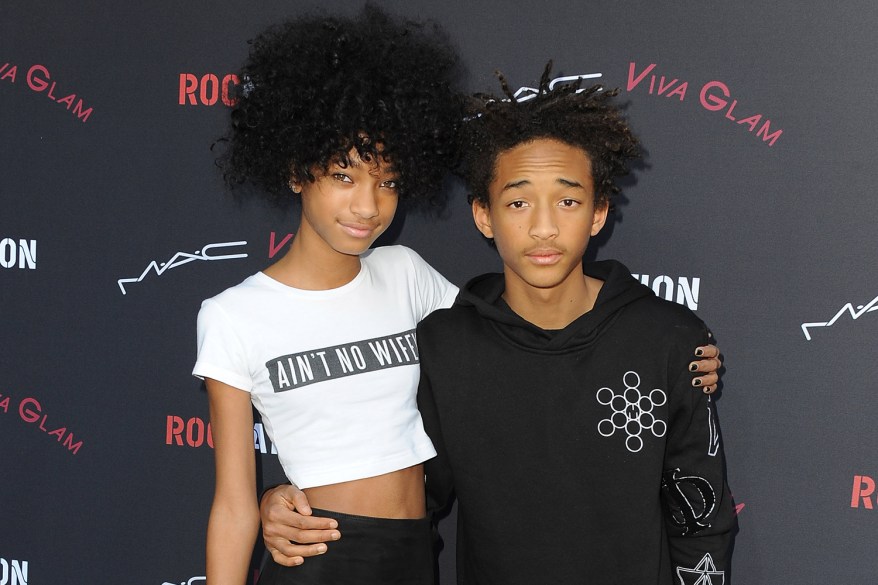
x=350 y=116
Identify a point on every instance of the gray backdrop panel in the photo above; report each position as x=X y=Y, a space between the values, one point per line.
x=775 y=221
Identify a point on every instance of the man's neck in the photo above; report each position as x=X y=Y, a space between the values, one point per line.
x=552 y=308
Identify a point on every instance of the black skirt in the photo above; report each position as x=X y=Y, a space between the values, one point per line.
x=371 y=551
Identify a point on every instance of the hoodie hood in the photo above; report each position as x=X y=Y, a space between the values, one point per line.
x=619 y=290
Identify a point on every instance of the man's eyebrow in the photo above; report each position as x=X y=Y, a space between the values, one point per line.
x=522 y=182
x=514 y=184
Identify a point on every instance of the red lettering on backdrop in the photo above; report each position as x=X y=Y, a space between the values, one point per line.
x=208 y=99
x=664 y=86
x=715 y=96
x=228 y=81
x=71 y=446
x=80 y=113
x=751 y=121
x=4 y=404
x=11 y=72
x=207 y=90
x=38 y=79
x=274 y=249
x=67 y=100
x=766 y=137
x=188 y=85
x=731 y=109
x=26 y=413
x=37 y=83
x=30 y=411
x=175 y=428
x=715 y=103
x=864 y=486
x=635 y=81
x=194 y=430
x=680 y=90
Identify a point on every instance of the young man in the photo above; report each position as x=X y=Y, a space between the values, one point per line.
x=556 y=394
x=568 y=414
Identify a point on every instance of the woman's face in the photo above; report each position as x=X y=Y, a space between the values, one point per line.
x=348 y=207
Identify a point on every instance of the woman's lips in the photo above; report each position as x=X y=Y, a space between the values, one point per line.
x=357 y=230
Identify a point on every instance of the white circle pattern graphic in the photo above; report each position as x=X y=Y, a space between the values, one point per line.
x=632 y=411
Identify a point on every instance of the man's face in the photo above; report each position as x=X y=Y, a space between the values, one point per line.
x=542 y=213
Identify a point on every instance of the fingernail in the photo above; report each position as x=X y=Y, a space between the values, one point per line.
x=321 y=548
x=707 y=390
x=335 y=535
x=699 y=352
x=696 y=382
x=693 y=367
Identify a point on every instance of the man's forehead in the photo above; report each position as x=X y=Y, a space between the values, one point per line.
x=543 y=155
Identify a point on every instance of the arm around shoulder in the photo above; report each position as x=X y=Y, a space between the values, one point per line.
x=699 y=511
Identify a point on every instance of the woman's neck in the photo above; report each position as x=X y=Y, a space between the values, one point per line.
x=313 y=265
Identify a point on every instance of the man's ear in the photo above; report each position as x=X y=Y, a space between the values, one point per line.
x=482 y=218
x=601 y=211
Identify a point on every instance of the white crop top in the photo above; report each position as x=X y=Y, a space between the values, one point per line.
x=334 y=373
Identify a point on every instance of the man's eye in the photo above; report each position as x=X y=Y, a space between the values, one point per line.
x=517 y=204
x=569 y=202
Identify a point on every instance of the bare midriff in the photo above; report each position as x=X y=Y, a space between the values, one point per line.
x=398 y=494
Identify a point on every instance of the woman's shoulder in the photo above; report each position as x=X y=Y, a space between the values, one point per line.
x=397 y=258
x=242 y=293
x=394 y=253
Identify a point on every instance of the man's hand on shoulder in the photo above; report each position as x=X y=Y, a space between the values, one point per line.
x=708 y=364
x=289 y=530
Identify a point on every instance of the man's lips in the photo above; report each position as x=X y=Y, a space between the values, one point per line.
x=544 y=256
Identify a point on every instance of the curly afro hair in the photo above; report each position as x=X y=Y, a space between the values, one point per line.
x=315 y=87
x=584 y=118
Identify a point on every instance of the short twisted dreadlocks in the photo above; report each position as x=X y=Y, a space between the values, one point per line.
x=586 y=119
x=313 y=88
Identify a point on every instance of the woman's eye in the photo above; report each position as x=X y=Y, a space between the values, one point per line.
x=390 y=184
x=341 y=177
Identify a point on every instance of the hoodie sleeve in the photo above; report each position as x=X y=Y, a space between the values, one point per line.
x=698 y=508
x=440 y=485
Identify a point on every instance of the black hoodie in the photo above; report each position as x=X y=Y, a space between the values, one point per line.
x=582 y=455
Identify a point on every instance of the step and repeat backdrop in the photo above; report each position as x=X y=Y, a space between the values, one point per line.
x=755 y=207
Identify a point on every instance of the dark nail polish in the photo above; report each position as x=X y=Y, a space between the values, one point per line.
x=693 y=367
x=699 y=352
x=696 y=382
